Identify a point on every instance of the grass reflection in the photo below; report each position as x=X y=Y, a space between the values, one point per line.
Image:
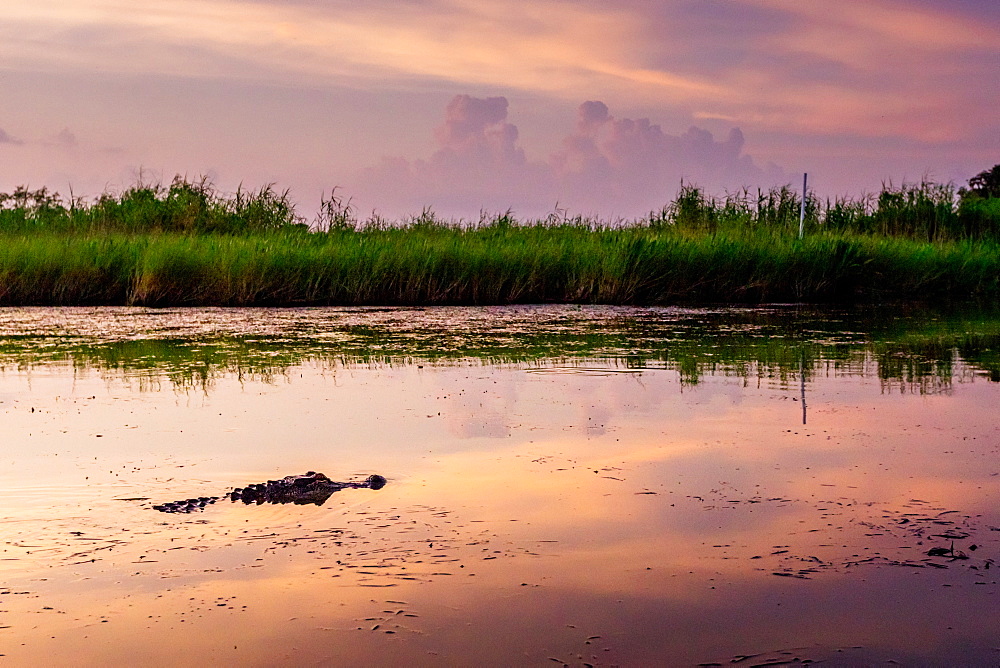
x=919 y=351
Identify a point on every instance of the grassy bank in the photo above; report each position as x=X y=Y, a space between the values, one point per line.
x=188 y=245
x=486 y=266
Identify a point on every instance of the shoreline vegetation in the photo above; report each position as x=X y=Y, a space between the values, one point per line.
x=188 y=244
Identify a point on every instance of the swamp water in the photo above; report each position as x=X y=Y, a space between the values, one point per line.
x=566 y=485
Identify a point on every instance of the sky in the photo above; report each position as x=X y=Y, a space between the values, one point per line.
x=465 y=106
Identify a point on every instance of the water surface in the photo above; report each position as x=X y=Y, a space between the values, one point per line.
x=576 y=485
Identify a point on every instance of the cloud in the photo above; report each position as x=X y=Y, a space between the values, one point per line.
x=324 y=85
x=864 y=67
x=544 y=46
x=636 y=166
x=912 y=69
x=607 y=166
x=478 y=164
x=66 y=138
x=7 y=139
x=475 y=132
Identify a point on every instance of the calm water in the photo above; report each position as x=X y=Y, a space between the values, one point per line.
x=603 y=486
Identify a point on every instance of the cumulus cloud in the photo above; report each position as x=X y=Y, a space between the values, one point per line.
x=634 y=165
x=476 y=137
x=7 y=139
x=606 y=165
x=478 y=164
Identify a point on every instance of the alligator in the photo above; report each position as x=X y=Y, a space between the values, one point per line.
x=311 y=487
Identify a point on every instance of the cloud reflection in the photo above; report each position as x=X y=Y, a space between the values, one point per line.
x=659 y=537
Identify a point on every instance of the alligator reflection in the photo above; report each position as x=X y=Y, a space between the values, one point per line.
x=309 y=488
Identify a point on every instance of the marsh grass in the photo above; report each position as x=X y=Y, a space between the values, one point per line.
x=184 y=207
x=185 y=244
x=485 y=266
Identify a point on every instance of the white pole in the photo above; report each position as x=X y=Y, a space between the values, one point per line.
x=802 y=208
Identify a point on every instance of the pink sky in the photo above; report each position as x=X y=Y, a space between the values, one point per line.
x=464 y=105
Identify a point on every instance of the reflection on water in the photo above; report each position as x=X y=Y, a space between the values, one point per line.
x=914 y=350
x=573 y=486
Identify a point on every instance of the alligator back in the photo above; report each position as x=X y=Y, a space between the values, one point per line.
x=309 y=488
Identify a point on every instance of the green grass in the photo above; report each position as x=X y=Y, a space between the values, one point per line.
x=188 y=245
x=183 y=207
x=486 y=266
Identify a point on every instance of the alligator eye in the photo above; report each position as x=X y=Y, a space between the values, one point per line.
x=376 y=481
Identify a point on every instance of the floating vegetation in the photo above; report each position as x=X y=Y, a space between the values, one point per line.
x=911 y=350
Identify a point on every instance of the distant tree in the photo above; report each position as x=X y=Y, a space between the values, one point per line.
x=979 y=206
x=985 y=185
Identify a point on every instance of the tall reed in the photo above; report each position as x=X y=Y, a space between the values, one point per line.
x=187 y=244
x=486 y=266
